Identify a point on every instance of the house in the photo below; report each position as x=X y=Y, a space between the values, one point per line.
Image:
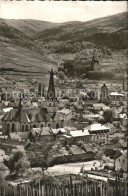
x=121 y=162
x=20 y=136
x=88 y=148
x=81 y=122
x=59 y=131
x=115 y=96
x=78 y=154
x=9 y=144
x=65 y=114
x=44 y=134
x=99 y=132
x=7 y=109
x=63 y=102
x=122 y=116
x=123 y=144
x=72 y=137
x=97 y=107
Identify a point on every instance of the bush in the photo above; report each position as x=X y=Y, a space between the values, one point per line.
x=108 y=115
x=18 y=163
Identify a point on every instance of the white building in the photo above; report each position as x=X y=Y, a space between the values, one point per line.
x=99 y=132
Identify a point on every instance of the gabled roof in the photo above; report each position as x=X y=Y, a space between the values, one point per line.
x=41 y=132
x=27 y=116
x=88 y=148
x=124 y=154
x=9 y=116
x=123 y=143
x=59 y=131
x=64 y=111
x=81 y=118
x=76 y=150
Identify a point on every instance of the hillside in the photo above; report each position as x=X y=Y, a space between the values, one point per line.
x=36 y=46
x=29 y=27
x=32 y=27
x=79 y=32
x=19 y=62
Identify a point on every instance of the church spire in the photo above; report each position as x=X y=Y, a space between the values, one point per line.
x=20 y=105
x=51 y=88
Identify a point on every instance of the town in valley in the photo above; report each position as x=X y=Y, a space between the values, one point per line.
x=63 y=110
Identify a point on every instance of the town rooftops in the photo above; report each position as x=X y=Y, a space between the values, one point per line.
x=97 y=127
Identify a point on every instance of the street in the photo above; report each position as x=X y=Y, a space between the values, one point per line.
x=73 y=168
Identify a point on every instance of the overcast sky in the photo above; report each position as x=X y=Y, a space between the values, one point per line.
x=60 y=11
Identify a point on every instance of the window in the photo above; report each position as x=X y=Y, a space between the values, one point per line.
x=57 y=126
x=22 y=128
x=26 y=127
x=49 y=125
x=8 y=128
x=13 y=127
x=34 y=126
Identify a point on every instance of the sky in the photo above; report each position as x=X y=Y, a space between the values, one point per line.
x=60 y=11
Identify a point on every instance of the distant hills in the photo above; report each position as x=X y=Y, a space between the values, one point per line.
x=92 y=31
x=39 y=45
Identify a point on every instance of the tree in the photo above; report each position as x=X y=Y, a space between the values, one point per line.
x=79 y=84
x=99 y=155
x=108 y=115
x=61 y=75
x=114 y=140
x=18 y=163
x=3 y=173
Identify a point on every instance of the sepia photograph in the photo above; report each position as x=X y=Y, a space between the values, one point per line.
x=63 y=98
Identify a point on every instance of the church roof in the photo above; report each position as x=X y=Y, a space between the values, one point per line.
x=27 y=116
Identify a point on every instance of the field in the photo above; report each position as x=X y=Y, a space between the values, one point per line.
x=22 y=62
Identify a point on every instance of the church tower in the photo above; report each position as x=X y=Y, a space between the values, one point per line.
x=51 y=96
x=104 y=97
x=51 y=88
x=95 y=63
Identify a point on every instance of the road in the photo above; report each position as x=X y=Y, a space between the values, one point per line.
x=73 y=168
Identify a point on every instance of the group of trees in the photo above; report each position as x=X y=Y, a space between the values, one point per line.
x=108 y=116
x=18 y=163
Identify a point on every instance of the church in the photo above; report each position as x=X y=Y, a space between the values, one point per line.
x=23 y=120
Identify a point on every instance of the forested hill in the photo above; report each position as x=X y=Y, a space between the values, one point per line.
x=41 y=44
